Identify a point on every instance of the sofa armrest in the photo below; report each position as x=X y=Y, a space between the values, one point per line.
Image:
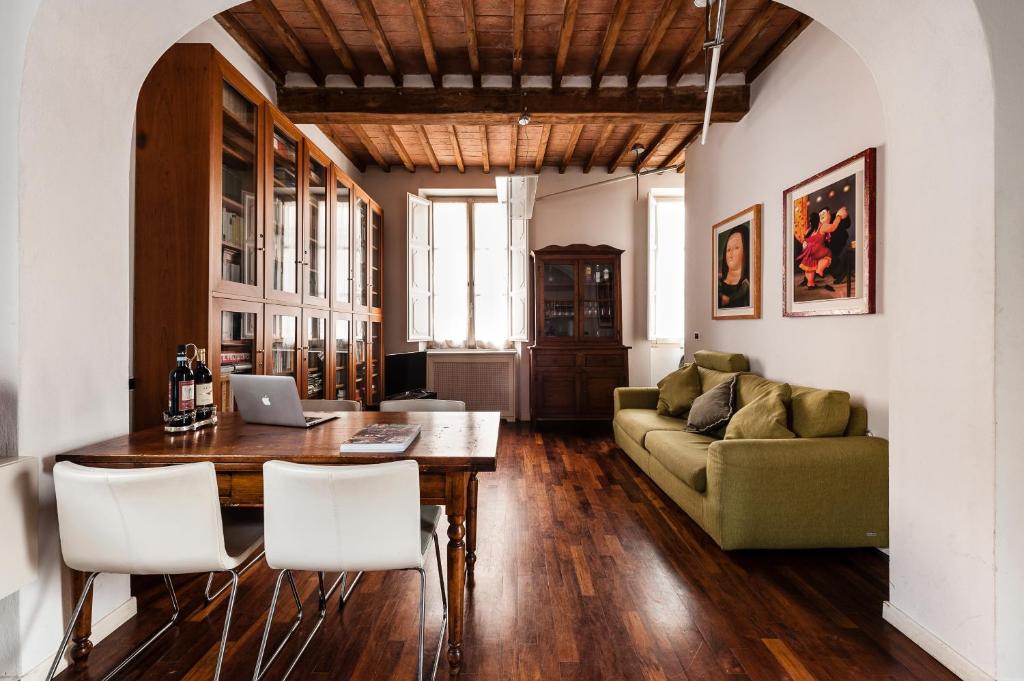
x=814 y=492
x=636 y=398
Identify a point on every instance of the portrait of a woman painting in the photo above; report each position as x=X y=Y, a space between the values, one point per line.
x=737 y=266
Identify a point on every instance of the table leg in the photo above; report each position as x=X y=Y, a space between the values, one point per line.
x=455 y=506
x=81 y=645
x=471 y=498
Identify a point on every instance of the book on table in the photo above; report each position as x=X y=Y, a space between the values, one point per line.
x=387 y=438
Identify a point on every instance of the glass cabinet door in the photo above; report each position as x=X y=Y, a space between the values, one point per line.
x=282 y=336
x=342 y=244
x=359 y=286
x=342 y=340
x=598 y=300
x=376 y=362
x=316 y=231
x=360 y=359
x=283 y=229
x=240 y=350
x=238 y=223
x=376 y=287
x=559 y=300
x=315 y=349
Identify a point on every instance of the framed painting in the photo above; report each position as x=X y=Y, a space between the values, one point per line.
x=736 y=270
x=828 y=244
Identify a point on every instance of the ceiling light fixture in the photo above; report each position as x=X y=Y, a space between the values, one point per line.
x=524 y=118
x=637 y=150
x=715 y=45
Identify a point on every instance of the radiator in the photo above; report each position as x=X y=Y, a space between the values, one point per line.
x=484 y=380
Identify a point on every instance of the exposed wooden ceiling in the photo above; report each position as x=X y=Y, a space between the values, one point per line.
x=441 y=82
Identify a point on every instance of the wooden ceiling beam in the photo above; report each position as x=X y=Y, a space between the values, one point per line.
x=564 y=40
x=740 y=43
x=428 y=148
x=788 y=36
x=469 y=15
x=399 y=147
x=429 y=54
x=252 y=48
x=574 y=138
x=456 y=149
x=330 y=30
x=518 y=39
x=496 y=106
x=542 y=148
x=291 y=41
x=387 y=55
x=627 y=148
x=513 y=147
x=343 y=147
x=676 y=156
x=371 y=147
x=602 y=139
x=485 y=153
x=611 y=39
x=692 y=50
x=653 y=147
x=668 y=12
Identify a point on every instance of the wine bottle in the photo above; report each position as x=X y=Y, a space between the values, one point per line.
x=204 y=387
x=181 y=389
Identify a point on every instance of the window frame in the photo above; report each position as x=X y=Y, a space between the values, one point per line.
x=654 y=197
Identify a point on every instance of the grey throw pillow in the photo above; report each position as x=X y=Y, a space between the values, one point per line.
x=712 y=410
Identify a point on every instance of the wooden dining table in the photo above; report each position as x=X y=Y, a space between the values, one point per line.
x=452 y=448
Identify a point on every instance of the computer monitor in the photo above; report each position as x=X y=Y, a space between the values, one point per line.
x=404 y=371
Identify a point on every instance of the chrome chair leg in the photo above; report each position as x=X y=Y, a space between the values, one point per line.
x=444 y=608
x=209 y=597
x=175 y=611
x=260 y=668
x=227 y=624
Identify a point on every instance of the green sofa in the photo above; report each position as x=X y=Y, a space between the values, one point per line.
x=806 y=492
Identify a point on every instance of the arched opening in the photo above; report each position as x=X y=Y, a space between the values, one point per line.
x=75 y=133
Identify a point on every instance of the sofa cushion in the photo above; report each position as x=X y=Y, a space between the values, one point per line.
x=749 y=387
x=709 y=378
x=685 y=455
x=819 y=413
x=713 y=409
x=636 y=423
x=764 y=418
x=678 y=390
x=721 y=361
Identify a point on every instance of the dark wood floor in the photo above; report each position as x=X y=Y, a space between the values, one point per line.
x=586 y=571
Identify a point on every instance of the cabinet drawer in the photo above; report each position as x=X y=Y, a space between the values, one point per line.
x=562 y=359
x=610 y=360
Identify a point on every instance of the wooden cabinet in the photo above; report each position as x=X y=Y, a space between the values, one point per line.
x=578 y=359
x=249 y=242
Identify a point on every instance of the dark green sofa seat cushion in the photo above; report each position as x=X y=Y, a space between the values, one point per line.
x=685 y=455
x=637 y=423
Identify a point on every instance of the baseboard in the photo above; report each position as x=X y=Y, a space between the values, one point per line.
x=933 y=645
x=101 y=628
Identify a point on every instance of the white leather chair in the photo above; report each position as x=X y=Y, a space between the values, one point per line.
x=347 y=519
x=331 y=405
x=422 y=405
x=150 y=521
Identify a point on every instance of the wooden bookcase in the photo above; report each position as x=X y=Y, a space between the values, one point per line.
x=247 y=242
x=578 y=358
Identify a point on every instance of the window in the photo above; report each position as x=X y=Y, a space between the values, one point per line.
x=666 y=221
x=462 y=253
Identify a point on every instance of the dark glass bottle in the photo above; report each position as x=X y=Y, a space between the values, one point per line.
x=181 y=393
x=204 y=387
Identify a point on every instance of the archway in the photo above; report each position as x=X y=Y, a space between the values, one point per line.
x=931 y=65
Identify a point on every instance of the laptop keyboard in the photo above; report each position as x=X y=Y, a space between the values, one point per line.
x=310 y=419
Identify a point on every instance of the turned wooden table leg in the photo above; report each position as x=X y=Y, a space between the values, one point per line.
x=81 y=646
x=471 y=498
x=455 y=507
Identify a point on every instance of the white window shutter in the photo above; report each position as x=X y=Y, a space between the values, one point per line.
x=419 y=261
x=519 y=280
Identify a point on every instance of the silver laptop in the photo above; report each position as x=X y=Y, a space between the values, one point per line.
x=272 y=400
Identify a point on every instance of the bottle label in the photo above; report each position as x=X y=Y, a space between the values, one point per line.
x=186 y=395
x=204 y=394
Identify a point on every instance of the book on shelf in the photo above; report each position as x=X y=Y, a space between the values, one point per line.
x=384 y=438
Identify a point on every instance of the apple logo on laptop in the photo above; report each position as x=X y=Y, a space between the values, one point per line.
x=265 y=400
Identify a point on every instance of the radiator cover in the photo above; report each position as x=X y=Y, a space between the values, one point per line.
x=484 y=380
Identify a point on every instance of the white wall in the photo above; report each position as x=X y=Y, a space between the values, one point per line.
x=815 y=106
x=608 y=215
